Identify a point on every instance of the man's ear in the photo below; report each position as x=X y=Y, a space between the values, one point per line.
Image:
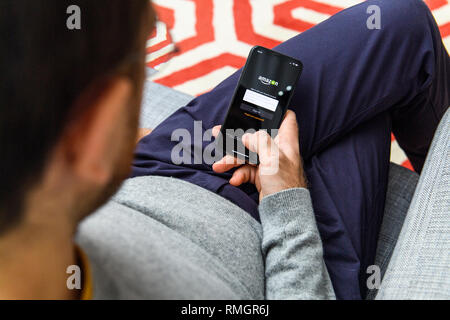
x=95 y=136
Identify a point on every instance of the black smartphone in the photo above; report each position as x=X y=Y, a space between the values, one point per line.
x=260 y=100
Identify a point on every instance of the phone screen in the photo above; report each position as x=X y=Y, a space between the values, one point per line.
x=261 y=98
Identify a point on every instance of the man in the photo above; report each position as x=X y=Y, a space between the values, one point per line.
x=70 y=106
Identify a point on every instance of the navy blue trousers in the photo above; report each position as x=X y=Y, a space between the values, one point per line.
x=358 y=86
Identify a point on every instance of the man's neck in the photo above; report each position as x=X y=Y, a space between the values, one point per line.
x=34 y=258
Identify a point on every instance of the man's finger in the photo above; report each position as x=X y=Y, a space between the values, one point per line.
x=243 y=175
x=142 y=132
x=216 y=131
x=259 y=142
x=287 y=138
x=289 y=125
x=227 y=163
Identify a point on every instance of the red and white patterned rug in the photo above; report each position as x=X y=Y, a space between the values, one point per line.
x=207 y=40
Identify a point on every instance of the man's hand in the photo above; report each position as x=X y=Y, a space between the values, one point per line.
x=280 y=165
x=142 y=132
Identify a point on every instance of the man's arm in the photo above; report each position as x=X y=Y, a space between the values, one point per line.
x=291 y=244
x=292 y=248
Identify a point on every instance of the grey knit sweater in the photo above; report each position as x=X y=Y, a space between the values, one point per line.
x=162 y=238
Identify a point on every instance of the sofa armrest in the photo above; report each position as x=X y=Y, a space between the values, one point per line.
x=402 y=184
x=420 y=264
x=159 y=102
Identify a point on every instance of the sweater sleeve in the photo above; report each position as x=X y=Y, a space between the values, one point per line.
x=292 y=248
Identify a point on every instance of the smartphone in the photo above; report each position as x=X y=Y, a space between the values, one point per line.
x=260 y=100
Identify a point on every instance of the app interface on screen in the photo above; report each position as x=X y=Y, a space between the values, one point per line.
x=263 y=92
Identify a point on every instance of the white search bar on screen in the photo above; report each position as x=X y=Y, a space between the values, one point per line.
x=261 y=100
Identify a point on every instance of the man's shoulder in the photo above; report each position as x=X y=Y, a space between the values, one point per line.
x=185 y=207
x=153 y=233
x=134 y=256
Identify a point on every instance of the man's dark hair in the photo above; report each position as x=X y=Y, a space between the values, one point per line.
x=44 y=67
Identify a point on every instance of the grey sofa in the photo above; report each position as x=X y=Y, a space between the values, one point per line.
x=414 y=243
